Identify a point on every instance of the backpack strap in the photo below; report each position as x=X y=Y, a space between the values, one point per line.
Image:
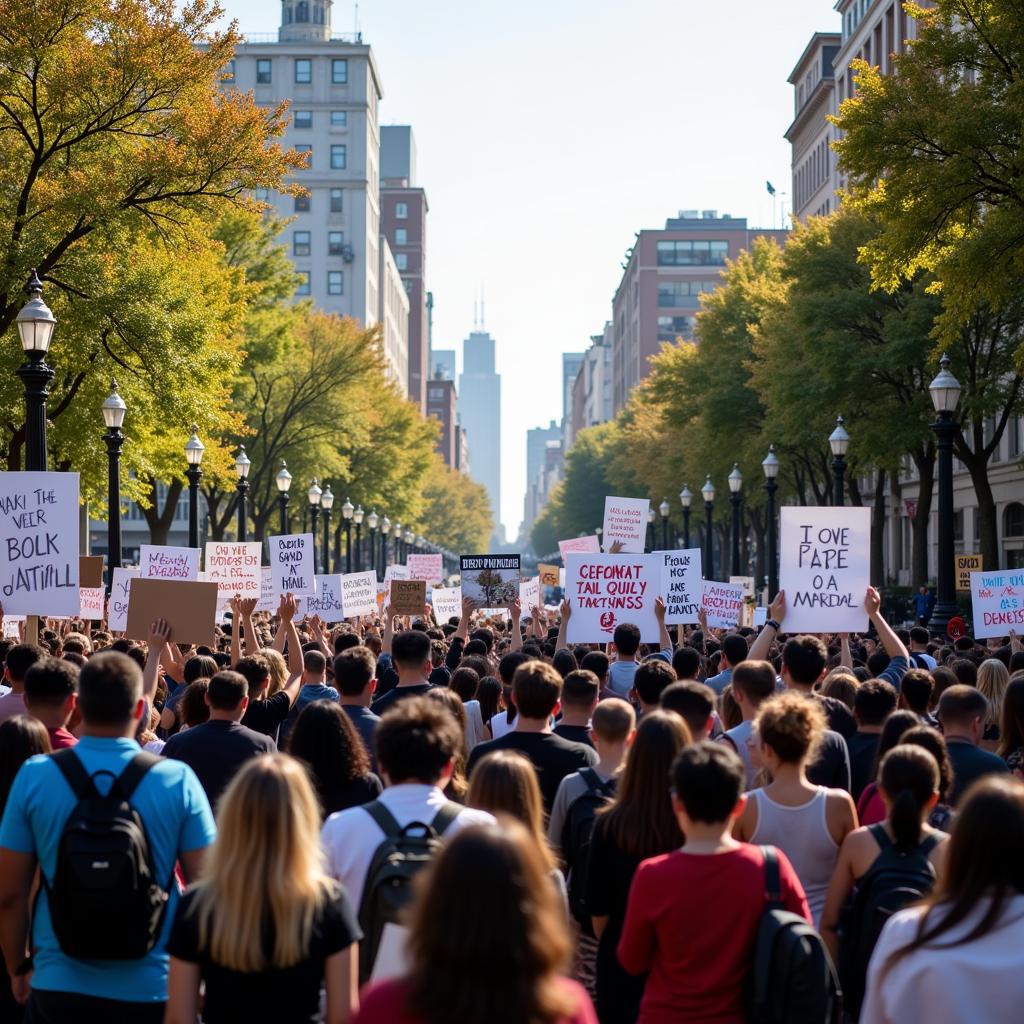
x=384 y=818
x=880 y=836
x=772 y=880
x=928 y=844
x=445 y=816
x=133 y=773
x=74 y=772
x=592 y=779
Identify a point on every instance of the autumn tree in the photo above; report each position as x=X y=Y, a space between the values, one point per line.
x=456 y=512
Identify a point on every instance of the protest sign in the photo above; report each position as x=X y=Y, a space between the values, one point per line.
x=625 y=521
x=358 y=594
x=165 y=562
x=681 y=585
x=608 y=590
x=11 y=631
x=292 y=564
x=529 y=594
x=561 y=578
x=39 y=543
x=397 y=572
x=492 y=581
x=269 y=598
x=588 y=544
x=235 y=568
x=90 y=570
x=408 y=597
x=997 y=602
x=190 y=609
x=824 y=568
x=964 y=566
x=723 y=604
x=548 y=575
x=326 y=602
x=90 y=603
x=749 y=598
x=117 y=606
x=425 y=567
x=760 y=616
x=447 y=603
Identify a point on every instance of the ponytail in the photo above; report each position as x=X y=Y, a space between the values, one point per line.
x=909 y=776
x=905 y=819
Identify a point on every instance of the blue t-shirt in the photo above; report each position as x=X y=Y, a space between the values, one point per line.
x=177 y=817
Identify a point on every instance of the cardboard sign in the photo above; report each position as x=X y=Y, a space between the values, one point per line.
x=997 y=602
x=292 y=564
x=964 y=566
x=117 y=606
x=235 y=568
x=269 y=598
x=682 y=585
x=529 y=595
x=492 y=581
x=189 y=607
x=397 y=572
x=90 y=603
x=39 y=543
x=723 y=604
x=625 y=520
x=429 y=568
x=90 y=570
x=824 y=568
x=359 y=594
x=608 y=590
x=749 y=597
x=408 y=597
x=587 y=545
x=447 y=603
x=166 y=562
x=548 y=575
x=326 y=602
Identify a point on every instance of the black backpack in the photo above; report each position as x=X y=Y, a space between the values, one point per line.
x=396 y=862
x=576 y=835
x=105 y=900
x=793 y=980
x=895 y=880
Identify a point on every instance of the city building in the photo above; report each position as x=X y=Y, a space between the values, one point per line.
x=479 y=408
x=571 y=362
x=441 y=404
x=404 y=223
x=394 y=319
x=442 y=363
x=658 y=297
x=462 y=450
x=539 y=470
x=592 y=387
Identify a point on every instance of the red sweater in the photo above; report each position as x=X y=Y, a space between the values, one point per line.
x=691 y=922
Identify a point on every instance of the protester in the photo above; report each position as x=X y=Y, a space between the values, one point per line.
x=652 y=677
x=504 y=721
x=410 y=652
x=872 y=705
x=962 y=713
x=465 y=683
x=694 y=703
x=919 y=655
x=752 y=683
x=50 y=693
x=993 y=678
x=734 y=652
x=626 y=640
x=20 y=658
x=458 y=784
x=580 y=693
x=355 y=678
x=924 y=604
x=1011 y=726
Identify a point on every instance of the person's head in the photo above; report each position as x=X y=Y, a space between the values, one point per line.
x=916 y=690
x=416 y=741
x=734 y=650
x=875 y=700
x=110 y=694
x=878 y=662
x=465 y=682
x=686 y=663
x=596 y=662
x=803 y=661
x=509 y=664
x=199 y=666
x=489 y=694
x=580 y=690
x=694 y=702
x=753 y=682
x=612 y=727
x=355 y=670
x=966 y=671
x=651 y=679
x=707 y=785
x=314 y=666
x=255 y=669
x=1011 y=722
x=564 y=662
x=934 y=742
x=20 y=658
x=626 y=639
x=841 y=684
x=345 y=639
x=919 y=638
x=944 y=678
x=76 y=643
x=228 y=695
x=51 y=686
x=908 y=780
x=963 y=711
x=193 y=706
x=475 y=648
x=1016 y=662
x=21 y=737
x=536 y=690
x=923 y=589
x=789 y=728
x=521 y=925
x=325 y=740
x=993 y=678
x=485 y=635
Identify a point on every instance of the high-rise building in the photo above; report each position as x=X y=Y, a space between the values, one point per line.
x=538 y=470
x=592 y=388
x=479 y=406
x=442 y=363
x=441 y=404
x=393 y=316
x=571 y=362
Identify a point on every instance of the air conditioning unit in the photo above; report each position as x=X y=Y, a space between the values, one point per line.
x=348 y=254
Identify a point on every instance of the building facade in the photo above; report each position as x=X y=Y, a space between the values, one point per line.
x=393 y=316
x=539 y=471
x=442 y=363
x=441 y=404
x=479 y=407
x=571 y=363
x=592 y=388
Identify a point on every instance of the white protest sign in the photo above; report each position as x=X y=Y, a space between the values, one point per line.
x=529 y=595
x=447 y=603
x=269 y=598
x=90 y=603
x=117 y=607
x=723 y=604
x=397 y=572
x=359 y=594
x=292 y=564
x=625 y=520
x=588 y=544
x=824 y=568
x=760 y=616
x=426 y=567
x=326 y=602
x=561 y=578
x=997 y=602
x=165 y=562
x=747 y=583
x=11 y=631
x=608 y=590
x=681 y=585
x=235 y=567
x=39 y=543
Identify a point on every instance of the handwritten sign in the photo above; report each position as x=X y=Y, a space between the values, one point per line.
x=584 y=545
x=359 y=594
x=529 y=594
x=235 y=568
x=408 y=597
x=269 y=598
x=608 y=590
x=426 y=567
x=90 y=603
x=326 y=602
x=492 y=581
x=997 y=602
x=625 y=520
x=292 y=565
x=824 y=568
x=397 y=572
x=117 y=606
x=39 y=543
x=165 y=562
x=749 y=598
x=681 y=585
x=447 y=603
x=723 y=604
x=548 y=575
x=965 y=565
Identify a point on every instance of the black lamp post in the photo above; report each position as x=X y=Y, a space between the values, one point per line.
x=242 y=465
x=326 y=504
x=194 y=449
x=284 y=483
x=371 y=521
x=736 y=500
x=35 y=329
x=347 y=512
x=708 y=491
x=650 y=529
x=945 y=393
x=357 y=518
x=686 y=499
x=399 y=554
x=313 y=496
x=385 y=533
x=839 y=441
x=600 y=530
x=410 y=540
x=664 y=509
x=114 y=410
x=770 y=465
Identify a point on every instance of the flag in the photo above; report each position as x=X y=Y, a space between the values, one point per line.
x=771 y=188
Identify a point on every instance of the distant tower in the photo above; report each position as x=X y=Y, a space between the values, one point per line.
x=305 y=20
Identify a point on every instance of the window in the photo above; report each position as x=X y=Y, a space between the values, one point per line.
x=958 y=526
x=339 y=157
x=306 y=148
x=261 y=195
x=302 y=204
x=407 y=282
x=300 y=243
x=672 y=327
x=401 y=236
x=303 y=288
x=339 y=72
x=303 y=71
x=698 y=253
x=229 y=72
x=401 y=261
x=1015 y=435
x=302 y=11
x=335 y=243
x=264 y=75
x=336 y=200
x=339 y=118
x=303 y=118
x=401 y=210
x=335 y=282
x=682 y=293
x=1013 y=520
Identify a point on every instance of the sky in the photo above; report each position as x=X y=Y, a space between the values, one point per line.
x=549 y=133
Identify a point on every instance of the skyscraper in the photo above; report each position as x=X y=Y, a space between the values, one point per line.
x=479 y=405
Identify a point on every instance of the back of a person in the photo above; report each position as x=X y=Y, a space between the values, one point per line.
x=620 y=677
x=863 y=748
x=970 y=763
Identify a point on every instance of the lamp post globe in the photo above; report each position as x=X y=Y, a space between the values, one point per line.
x=357 y=517
x=194 y=449
x=313 y=496
x=36 y=325
x=686 y=500
x=283 y=480
x=770 y=465
x=347 y=511
x=839 y=442
x=114 y=410
x=385 y=533
x=326 y=504
x=242 y=466
x=736 y=500
x=371 y=521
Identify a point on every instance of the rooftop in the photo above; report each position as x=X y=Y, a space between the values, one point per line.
x=266 y=38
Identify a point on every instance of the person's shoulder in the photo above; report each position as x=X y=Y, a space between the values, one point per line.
x=584 y=1009
x=901 y=928
x=36 y=771
x=383 y=1000
x=473 y=816
x=659 y=866
x=485 y=748
x=258 y=739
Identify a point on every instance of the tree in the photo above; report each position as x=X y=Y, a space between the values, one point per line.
x=456 y=510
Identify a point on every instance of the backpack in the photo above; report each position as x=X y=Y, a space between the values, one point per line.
x=917 y=660
x=396 y=862
x=576 y=835
x=105 y=900
x=895 y=880
x=793 y=980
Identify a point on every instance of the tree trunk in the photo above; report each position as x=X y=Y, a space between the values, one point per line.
x=878 y=532
x=853 y=489
x=757 y=524
x=976 y=459
x=724 y=545
x=160 y=522
x=924 y=460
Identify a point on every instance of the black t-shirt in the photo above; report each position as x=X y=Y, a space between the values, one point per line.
x=392 y=697
x=831 y=767
x=353 y=793
x=840 y=717
x=863 y=747
x=365 y=722
x=284 y=995
x=574 y=733
x=266 y=716
x=970 y=763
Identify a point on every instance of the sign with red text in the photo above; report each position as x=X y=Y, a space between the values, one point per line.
x=681 y=585
x=90 y=603
x=166 y=562
x=117 y=606
x=426 y=567
x=605 y=591
x=588 y=544
x=529 y=595
x=235 y=567
x=723 y=604
x=625 y=521
x=997 y=603
x=292 y=563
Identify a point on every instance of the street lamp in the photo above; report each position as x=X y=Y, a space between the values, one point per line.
x=113 y=416
x=399 y=556
x=708 y=490
x=357 y=518
x=600 y=530
x=371 y=521
x=194 y=449
x=347 y=511
x=242 y=465
x=327 y=503
x=385 y=532
x=663 y=508
x=839 y=441
x=736 y=500
x=313 y=496
x=945 y=392
x=35 y=329
x=686 y=499
x=284 y=483
x=650 y=529
x=770 y=465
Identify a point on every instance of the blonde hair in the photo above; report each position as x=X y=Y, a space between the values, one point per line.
x=993 y=678
x=792 y=725
x=278 y=670
x=842 y=684
x=264 y=873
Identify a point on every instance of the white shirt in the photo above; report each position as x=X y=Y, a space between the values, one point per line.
x=982 y=980
x=350 y=838
x=499 y=725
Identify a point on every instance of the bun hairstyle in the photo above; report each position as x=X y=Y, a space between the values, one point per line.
x=909 y=777
x=792 y=725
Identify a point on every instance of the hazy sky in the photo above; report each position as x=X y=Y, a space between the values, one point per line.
x=550 y=132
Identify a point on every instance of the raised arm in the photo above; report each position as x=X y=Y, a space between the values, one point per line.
x=563 y=625
x=159 y=635
x=664 y=638
x=389 y=631
x=248 y=607
x=236 y=629
x=763 y=642
x=516 y=614
x=845 y=657
x=893 y=645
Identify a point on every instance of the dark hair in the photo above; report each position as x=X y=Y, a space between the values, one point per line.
x=935 y=743
x=326 y=741
x=199 y=666
x=73 y=658
x=804 y=657
x=475 y=647
x=695 y=702
x=49 y=682
x=944 y=678
x=708 y=780
x=896 y=726
x=20 y=658
x=465 y=682
x=256 y=671
x=345 y=640
x=489 y=695
x=415 y=740
x=874 y=701
x=21 y=737
x=1011 y=721
x=193 y=707
x=919 y=634
x=410 y=648
x=536 y=689
x=580 y=689
x=686 y=663
x=966 y=671
x=910 y=777
x=485 y=635
x=734 y=647
x=564 y=662
x=478 y=663
x=226 y=690
x=878 y=662
x=596 y=662
x=314 y=662
x=1016 y=663
x=74 y=645
x=509 y=664
x=354 y=668
x=626 y=639
x=109 y=687
x=651 y=679
x=916 y=688
x=756 y=679
x=960 y=704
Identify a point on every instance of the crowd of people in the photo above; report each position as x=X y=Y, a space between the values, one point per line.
x=401 y=821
